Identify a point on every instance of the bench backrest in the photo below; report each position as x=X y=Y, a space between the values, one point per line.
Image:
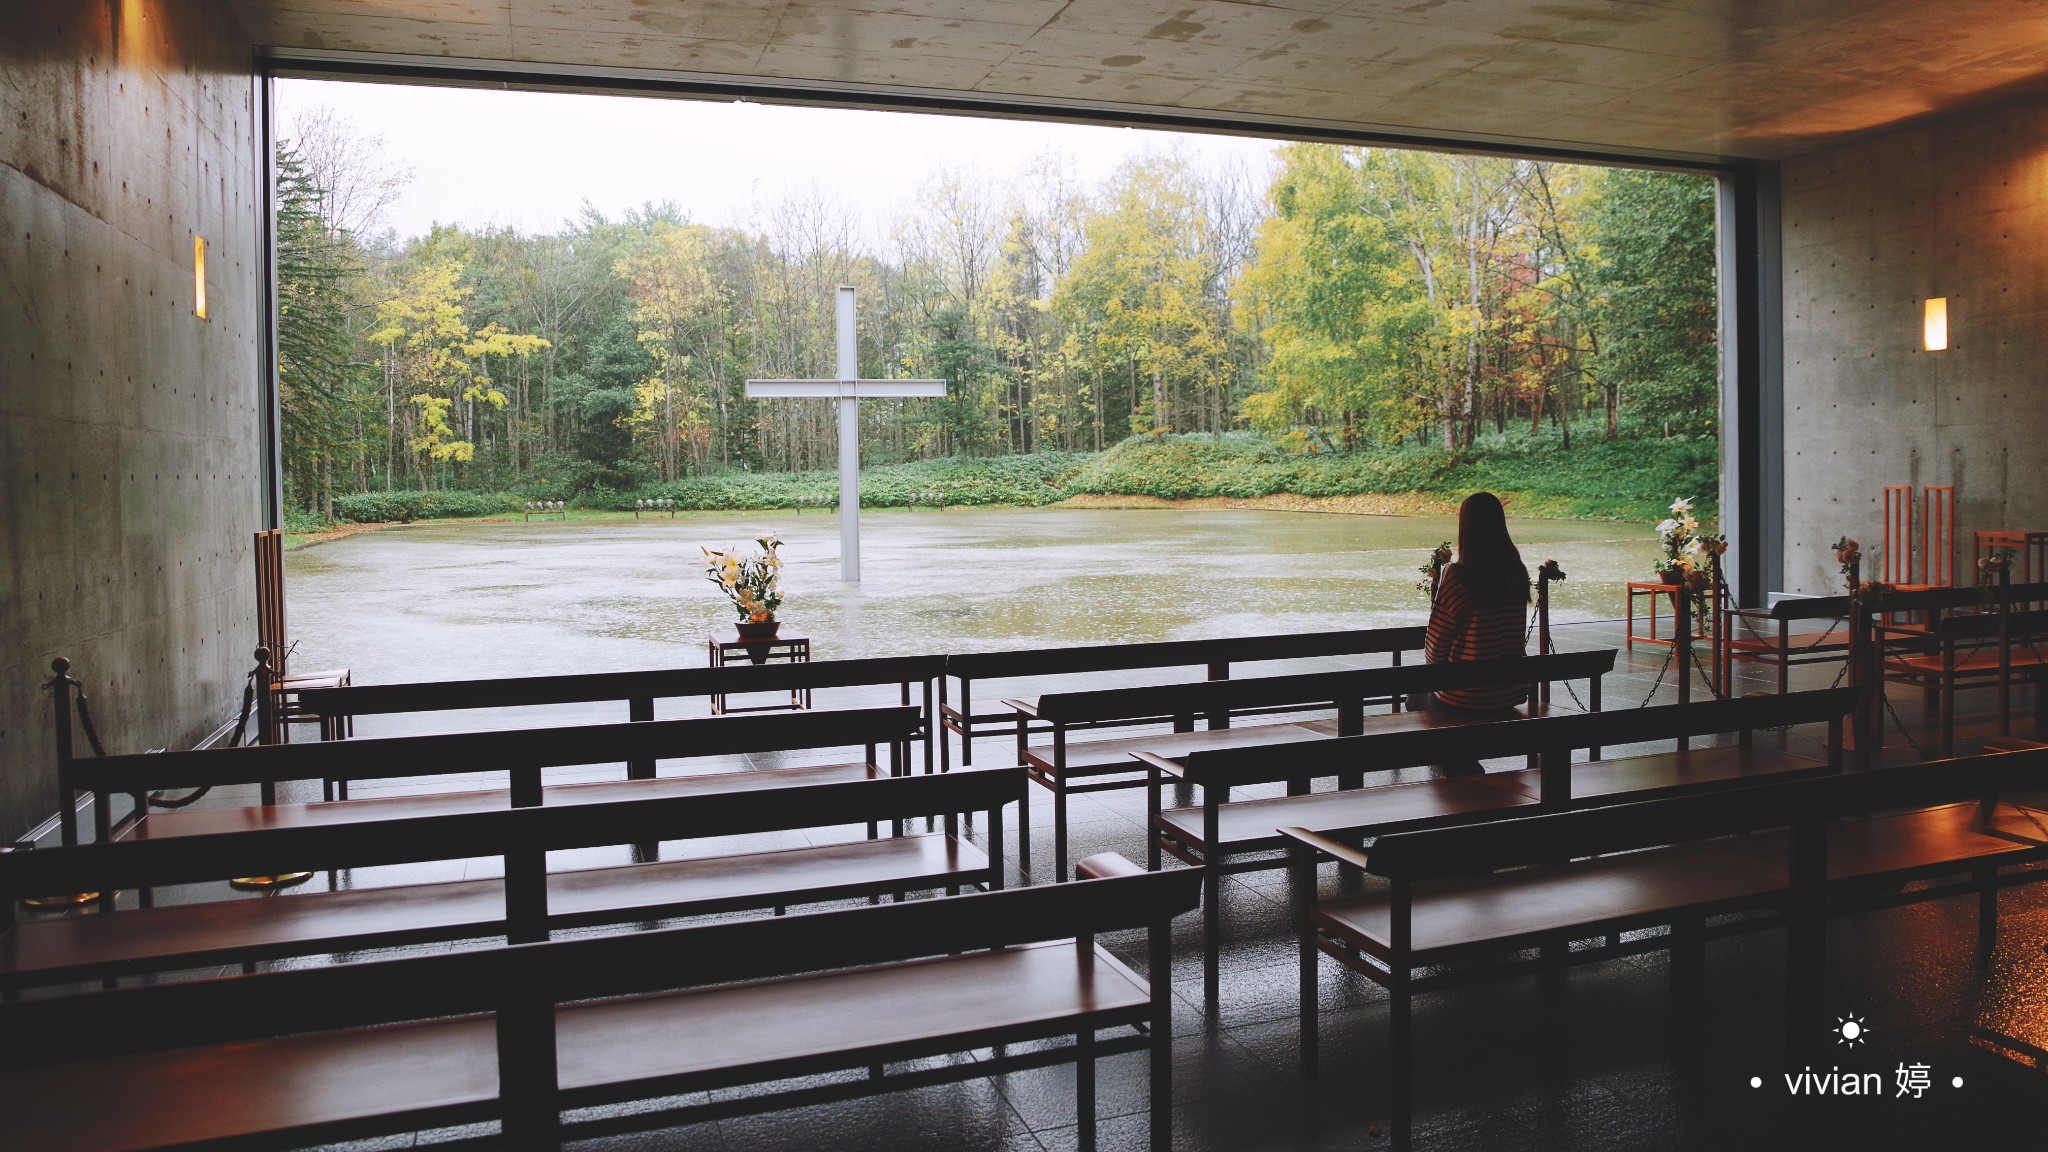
x=1811 y=608
x=1949 y=599
x=136 y=1020
x=1411 y=856
x=655 y=684
x=409 y=840
x=1988 y=625
x=1223 y=696
x=1548 y=735
x=1180 y=653
x=516 y=750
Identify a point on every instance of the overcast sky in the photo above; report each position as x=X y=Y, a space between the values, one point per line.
x=718 y=161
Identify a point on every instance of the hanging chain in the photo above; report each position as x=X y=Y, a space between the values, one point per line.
x=1668 y=657
x=1901 y=724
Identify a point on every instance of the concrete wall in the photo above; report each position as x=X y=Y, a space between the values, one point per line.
x=130 y=430
x=1956 y=207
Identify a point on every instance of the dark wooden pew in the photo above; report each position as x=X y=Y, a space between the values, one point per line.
x=519 y=753
x=1222 y=836
x=1476 y=896
x=1771 y=639
x=914 y=676
x=525 y=904
x=1216 y=656
x=1065 y=767
x=1964 y=651
x=519 y=1034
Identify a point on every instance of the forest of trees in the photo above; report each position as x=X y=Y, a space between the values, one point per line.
x=1358 y=298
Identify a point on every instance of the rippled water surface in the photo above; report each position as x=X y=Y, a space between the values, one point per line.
x=433 y=601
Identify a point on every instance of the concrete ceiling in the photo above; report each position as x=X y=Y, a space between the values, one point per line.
x=1705 y=79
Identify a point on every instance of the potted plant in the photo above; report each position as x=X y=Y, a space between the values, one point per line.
x=751 y=582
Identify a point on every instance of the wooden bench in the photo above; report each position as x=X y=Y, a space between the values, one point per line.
x=1216 y=656
x=1222 y=836
x=519 y=1034
x=1780 y=646
x=525 y=903
x=521 y=754
x=1775 y=855
x=914 y=676
x=1066 y=767
x=1994 y=648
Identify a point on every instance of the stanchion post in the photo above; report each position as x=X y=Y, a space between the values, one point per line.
x=1681 y=640
x=266 y=713
x=2005 y=647
x=266 y=726
x=60 y=686
x=1862 y=667
x=1545 y=573
x=67 y=797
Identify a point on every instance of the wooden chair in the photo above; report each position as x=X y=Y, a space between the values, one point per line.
x=1938 y=536
x=1898 y=534
x=283 y=690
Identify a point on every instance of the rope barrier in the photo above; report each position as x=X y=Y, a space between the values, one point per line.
x=159 y=800
x=99 y=747
x=92 y=736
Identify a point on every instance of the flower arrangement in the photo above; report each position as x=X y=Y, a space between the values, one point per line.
x=749 y=581
x=1688 y=552
x=1991 y=571
x=1691 y=556
x=1432 y=572
x=1848 y=554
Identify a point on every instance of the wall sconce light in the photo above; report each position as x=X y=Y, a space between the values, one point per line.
x=1934 y=324
x=199 y=276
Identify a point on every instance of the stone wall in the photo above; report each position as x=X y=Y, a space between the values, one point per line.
x=1954 y=207
x=131 y=462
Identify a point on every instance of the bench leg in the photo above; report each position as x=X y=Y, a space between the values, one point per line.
x=1158 y=974
x=1987 y=912
x=1084 y=1086
x=1688 y=981
x=1302 y=882
x=1059 y=831
x=1400 y=1041
x=1024 y=833
x=1212 y=932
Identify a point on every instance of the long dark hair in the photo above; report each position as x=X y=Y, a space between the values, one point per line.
x=1489 y=564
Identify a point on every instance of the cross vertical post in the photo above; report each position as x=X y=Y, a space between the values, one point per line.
x=850 y=390
x=849 y=443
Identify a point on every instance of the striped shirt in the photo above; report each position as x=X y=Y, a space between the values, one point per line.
x=1462 y=630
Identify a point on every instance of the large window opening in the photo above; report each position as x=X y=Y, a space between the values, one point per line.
x=490 y=298
x=561 y=295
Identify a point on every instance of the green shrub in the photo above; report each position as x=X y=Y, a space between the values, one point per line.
x=1624 y=479
x=1630 y=479
x=299 y=522
x=379 y=507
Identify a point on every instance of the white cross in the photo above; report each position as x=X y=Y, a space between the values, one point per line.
x=851 y=390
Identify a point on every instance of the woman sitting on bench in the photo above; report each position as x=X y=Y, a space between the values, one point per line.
x=1479 y=612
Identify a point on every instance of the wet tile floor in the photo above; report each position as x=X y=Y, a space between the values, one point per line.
x=1593 y=1057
